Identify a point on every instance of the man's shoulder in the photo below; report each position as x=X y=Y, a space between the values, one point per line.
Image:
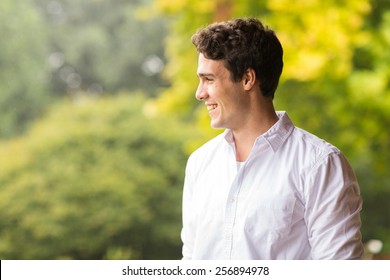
x=211 y=144
x=202 y=157
x=209 y=148
x=303 y=141
x=313 y=144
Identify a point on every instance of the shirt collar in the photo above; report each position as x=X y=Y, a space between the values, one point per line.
x=274 y=137
x=279 y=132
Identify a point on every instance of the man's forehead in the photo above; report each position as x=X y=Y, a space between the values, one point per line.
x=209 y=67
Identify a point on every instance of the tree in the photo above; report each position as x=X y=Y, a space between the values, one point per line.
x=103 y=46
x=59 y=47
x=23 y=71
x=94 y=179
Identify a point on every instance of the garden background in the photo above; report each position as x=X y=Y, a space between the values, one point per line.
x=98 y=115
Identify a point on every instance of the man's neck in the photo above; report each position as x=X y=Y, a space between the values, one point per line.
x=246 y=136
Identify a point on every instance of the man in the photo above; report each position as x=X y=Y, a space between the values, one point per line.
x=263 y=189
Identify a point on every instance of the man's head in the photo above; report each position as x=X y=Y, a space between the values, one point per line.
x=243 y=44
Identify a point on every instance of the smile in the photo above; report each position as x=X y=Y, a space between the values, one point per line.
x=211 y=106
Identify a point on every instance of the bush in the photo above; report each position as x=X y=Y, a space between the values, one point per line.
x=94 y=180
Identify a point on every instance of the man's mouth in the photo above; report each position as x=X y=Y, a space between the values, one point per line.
x=211 y=107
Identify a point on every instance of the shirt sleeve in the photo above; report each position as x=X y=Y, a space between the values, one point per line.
x=333 y=205
x=188 y=229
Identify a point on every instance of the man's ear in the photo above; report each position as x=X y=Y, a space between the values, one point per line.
x=249 y=79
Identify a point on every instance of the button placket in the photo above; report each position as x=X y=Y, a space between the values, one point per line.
x=231 y=213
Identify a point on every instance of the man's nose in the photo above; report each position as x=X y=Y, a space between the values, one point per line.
x=201 y=93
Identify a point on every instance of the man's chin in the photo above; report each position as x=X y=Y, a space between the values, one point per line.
x=216 y=125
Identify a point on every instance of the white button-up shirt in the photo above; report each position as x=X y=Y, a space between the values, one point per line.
x=295 y=197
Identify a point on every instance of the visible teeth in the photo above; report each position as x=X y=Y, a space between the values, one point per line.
x=211 y=107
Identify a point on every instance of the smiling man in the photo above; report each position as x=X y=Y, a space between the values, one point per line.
x=263 y=189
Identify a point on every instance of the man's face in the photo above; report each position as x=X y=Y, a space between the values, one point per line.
x=225 y=100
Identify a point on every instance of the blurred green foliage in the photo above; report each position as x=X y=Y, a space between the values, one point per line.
x=23 y=75
x=89 y=173
x=96 y=179
x=55 y=48
x=100 y=45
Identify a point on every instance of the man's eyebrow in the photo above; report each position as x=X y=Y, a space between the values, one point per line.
x=205 y=75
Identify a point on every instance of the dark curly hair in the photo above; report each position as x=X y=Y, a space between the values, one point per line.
x=243 y=44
